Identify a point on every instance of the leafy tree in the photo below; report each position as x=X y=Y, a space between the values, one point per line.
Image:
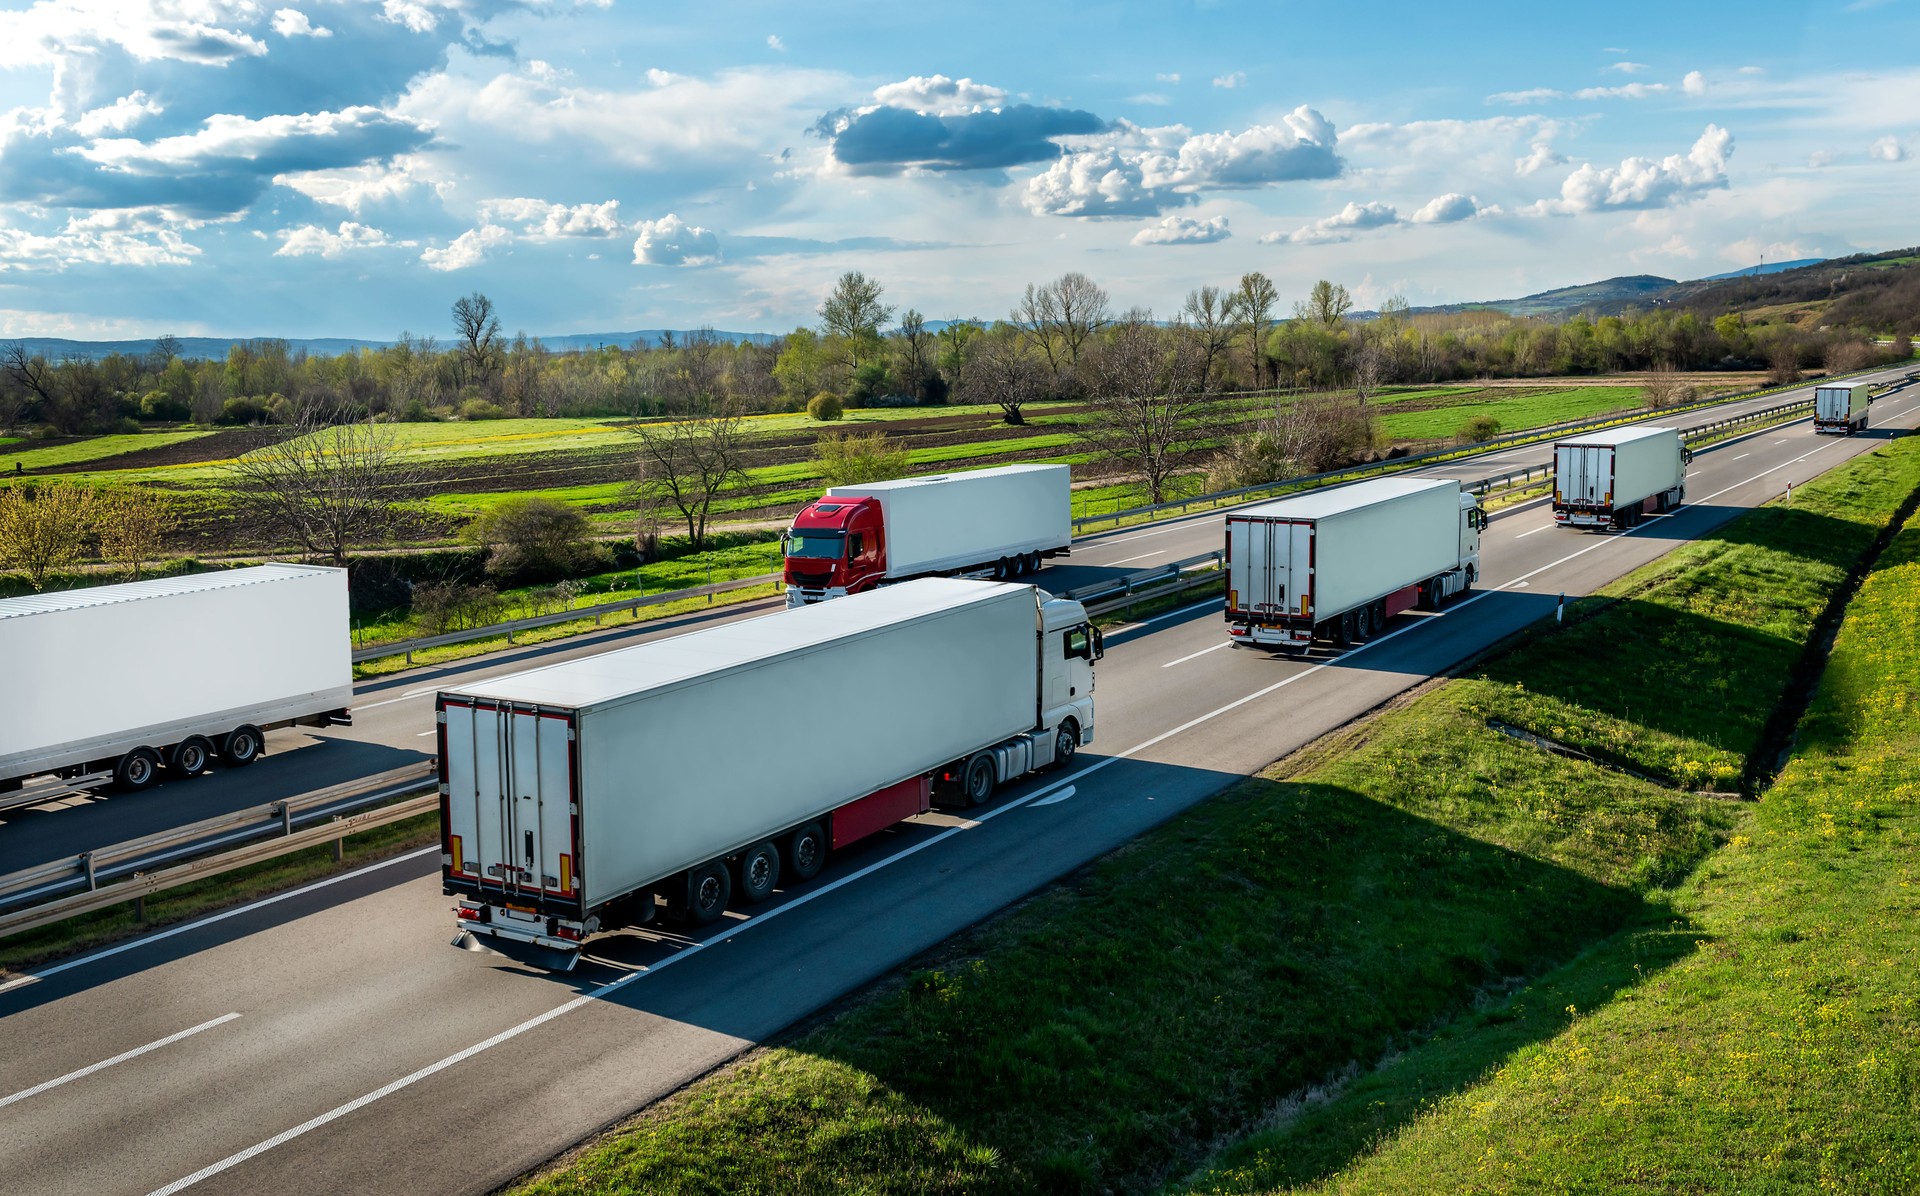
x=1253 y=308
x=853 y=312
x=531 y=538
x=133 y=523
x=1326 y=305
x=43 y=528
x=853 y=458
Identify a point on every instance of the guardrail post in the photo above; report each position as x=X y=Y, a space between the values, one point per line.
x=409 y=657
x=286 y=818
x=339 y=846
x=86 y=862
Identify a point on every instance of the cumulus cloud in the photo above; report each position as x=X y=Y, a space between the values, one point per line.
x=53 y=32
x=311 y=240
x=1183 y=230
x=118 y=116
x=272 y=144
x=544 y=221
x=1887 y=149
x=671 y=241
x=889 y=140
x=1340 y=226
x=1451 y=208
x=1695 y=84
x=291 y=22
x=468 y=249
x=1141 y=172
x=1539 y=157
x=356 y=187
x=939 y=95
x=1230 y=81
x=80 y=242
x=1641 y=183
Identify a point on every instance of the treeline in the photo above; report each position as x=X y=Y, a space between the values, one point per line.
x=1872 y=291
x=860 y=354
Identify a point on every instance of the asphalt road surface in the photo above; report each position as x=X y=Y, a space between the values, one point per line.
x=330 y=1040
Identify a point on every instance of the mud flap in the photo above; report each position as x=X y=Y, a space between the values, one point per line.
x=534 y=955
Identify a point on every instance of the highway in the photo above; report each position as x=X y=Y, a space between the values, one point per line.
x=331 y=1040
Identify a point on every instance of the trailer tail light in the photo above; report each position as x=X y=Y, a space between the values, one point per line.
x=566 y=874
x=471 y=913
x=453 y=849
x=562 y=931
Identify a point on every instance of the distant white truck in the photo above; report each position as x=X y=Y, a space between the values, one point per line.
x=1337 y=564
x=1614 y=478
x=118 y=684
x=1001 y=522
x=1841 y=410
x=704 y=768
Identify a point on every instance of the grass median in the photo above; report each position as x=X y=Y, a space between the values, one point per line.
x=1403 y=890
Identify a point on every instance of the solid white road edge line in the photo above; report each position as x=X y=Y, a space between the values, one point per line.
x=122 y=1057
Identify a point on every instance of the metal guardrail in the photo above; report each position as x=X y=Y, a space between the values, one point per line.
x=1103 y=597
x=138 y=866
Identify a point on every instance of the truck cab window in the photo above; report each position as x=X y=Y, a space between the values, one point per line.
x=856 y=544
x=1079 y=644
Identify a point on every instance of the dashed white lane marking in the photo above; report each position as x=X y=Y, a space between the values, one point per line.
x=122 y=1057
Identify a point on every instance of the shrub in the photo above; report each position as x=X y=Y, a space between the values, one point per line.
x=159 y=405
x=1251 y=460
x=529 y=538
x=1477 y=429
x=481 y=409
x=451 y=606
x=826 y=407
x=853 y=458
x=242 y=409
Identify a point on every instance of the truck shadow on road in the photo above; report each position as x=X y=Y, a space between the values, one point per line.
x=1113 y=1029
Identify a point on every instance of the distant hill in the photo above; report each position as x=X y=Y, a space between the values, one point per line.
x=1764 y=268
x=59 y=349
x=1609 y=294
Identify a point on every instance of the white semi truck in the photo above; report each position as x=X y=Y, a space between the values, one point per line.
x=1614 y=478
x=121 y=684
x=1001 y=522
x=701 y=770
x=1841 y=410
x=1337 y=564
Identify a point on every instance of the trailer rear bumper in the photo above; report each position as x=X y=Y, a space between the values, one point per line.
x=1270 y=635
x=550 y=943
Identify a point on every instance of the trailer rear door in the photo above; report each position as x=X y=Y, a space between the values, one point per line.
x=510 y=810
x=1271 y=565
x=1583 y=474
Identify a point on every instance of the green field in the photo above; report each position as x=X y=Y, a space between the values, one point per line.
x=1515 y=414
x=99 y=448
x=1279 y=986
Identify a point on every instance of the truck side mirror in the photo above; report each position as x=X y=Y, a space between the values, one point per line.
x=1099 y=642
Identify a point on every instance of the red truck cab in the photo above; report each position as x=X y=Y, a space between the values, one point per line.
x=836 y=546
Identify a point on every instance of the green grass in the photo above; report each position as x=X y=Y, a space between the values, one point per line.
x=1393 y=894
x=1516 y=413
x=1778 y=1051
x=99 y=448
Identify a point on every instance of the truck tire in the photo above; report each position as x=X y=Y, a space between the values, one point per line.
x=241 y=746
x=1379 y=616
x=136 y=770
x=807 y=851
x=1066 y=741
x=977 y=780
x=759 y=872
x=1343 y=630
x=709 y=888
x=1002 y=569
x=1033 y=562
x=190 y=756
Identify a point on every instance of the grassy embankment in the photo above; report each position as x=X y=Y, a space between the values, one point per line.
x=1778 y=1052
x=1413 y=902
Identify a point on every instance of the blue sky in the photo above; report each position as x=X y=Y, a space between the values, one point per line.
x=343 y=168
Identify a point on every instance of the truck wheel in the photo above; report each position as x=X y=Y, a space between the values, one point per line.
x=1066 y=741
x=709 y=888
x=807 y=851
x=1033 y=562
x=759 y=872
x=241 y=747
x=136 y=770
x=190 y=756
x=977 y=779
x=1343 y=632
x=1002 y=569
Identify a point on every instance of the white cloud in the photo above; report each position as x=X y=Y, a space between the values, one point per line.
x=1887 y=149
x=1183 y=230
x=1230 y=81
x=1149 y=97
x=1539 y=157
x=1753 y=70
x=1639 y=183
x=671 y=241
x=1532 y=95
x=940 y=95
x=1751 y=251
x=1626 y=91
x=310 y=240
x=1141 y=171
x=415 y=17
x=1451 y=208
x=62 y=33
x=775 y=44
x=543 y=221
x=1820 y=159
x=226 y=138
x=82 y=243
x=291 y=22
x=468 y=249
x=1695 y=84
x=1628 y=68
x=1169 y=77
x=354 y=187
x=1341 y=225
x=118 y=116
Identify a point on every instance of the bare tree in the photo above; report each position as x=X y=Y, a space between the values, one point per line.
x=166 y=347
x=1059 y=318
x=1326 y=305
x=1253 y=307
x=43 y=528
x=327 y=481
x=1207 y=317
x=1321 y=432
x=1148 y=391
x=1370 y=363
x=916 y=353
x=478 y=330
x=29 y=375
x=686 y=464
x=695 y=378
x=1001 y=371
x=133 y=523
x=853 y=312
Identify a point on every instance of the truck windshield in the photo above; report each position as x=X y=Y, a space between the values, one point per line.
x=818 y=544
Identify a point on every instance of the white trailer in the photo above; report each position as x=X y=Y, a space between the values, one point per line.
x=1001 y=521
x=111 y=683
x=1615 y=477
x=702 y=768
x=1841 y=410
x=1339 y=563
